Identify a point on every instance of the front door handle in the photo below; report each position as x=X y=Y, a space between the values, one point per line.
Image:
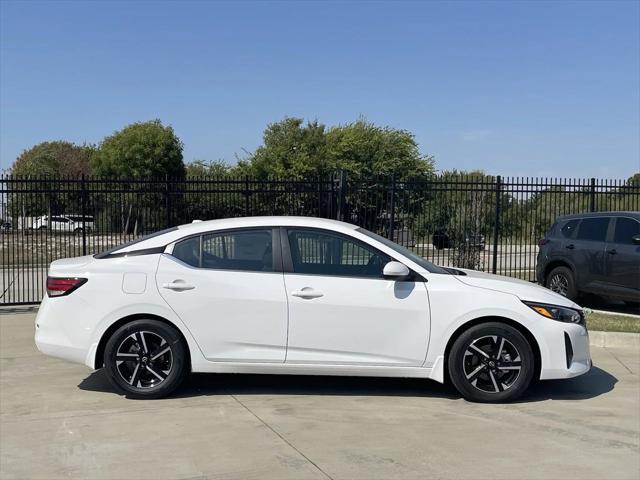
x=571 y=246
x=613 y=251
x=307 y=292
x=178 y=286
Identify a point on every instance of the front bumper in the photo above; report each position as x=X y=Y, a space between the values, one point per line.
x=568 y=353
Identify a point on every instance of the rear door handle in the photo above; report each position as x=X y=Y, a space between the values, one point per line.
x=571 y=246
x=613 y=251
x=178 y=286
x=307 y=292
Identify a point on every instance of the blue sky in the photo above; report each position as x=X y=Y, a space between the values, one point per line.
x=514 y=88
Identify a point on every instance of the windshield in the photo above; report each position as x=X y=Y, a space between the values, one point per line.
x=427 y=265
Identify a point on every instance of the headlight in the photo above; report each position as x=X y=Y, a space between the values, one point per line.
x=555 y=312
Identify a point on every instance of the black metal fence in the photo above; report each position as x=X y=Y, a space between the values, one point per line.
x=487 y=223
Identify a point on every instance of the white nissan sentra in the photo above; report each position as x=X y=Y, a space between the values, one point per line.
x=295 y=295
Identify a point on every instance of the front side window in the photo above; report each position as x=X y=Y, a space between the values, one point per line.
x=594 y=229
x=626 y=229
x=246 y=250
x=326 y=253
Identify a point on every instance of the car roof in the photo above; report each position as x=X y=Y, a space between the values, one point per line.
x=600 y=214
x=194 y=228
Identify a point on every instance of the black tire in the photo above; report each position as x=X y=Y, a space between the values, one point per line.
x=485 y=377
x=561 y=280
x=130 y=364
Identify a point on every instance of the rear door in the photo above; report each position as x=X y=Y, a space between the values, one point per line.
x=228 y=288
x=588 y=253
x=623 y=258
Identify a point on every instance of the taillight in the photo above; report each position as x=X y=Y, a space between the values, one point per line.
x=543 y=242
x=57 y=287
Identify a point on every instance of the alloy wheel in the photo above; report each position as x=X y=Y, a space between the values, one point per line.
x=144 y=359
x=559 y=284
x=491 y=364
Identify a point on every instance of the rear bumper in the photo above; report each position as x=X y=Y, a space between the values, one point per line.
x=60 y=333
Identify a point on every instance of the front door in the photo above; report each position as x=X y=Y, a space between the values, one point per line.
x=623 y=258
x=227 y=290
x=341 y=309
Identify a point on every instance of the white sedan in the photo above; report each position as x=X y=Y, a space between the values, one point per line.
x=295 y=295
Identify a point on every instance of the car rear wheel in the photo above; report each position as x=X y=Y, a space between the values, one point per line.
x=146 y=359
x=560 y=280
x=491 y=362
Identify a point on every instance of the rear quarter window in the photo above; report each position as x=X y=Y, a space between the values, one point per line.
x=568 y=228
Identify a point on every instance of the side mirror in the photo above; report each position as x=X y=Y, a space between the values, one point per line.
x=635 y=239
x=395 y=270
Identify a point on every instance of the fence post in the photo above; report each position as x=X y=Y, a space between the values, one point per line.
x=246 y=195
x=168 y=201
x=83 y=212
x=392 y=207
x=342 y=186
x=496 y=227
x=592 y=196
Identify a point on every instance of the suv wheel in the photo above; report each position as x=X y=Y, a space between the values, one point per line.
x=146 y=359
x=560 y=280
x=491 y=362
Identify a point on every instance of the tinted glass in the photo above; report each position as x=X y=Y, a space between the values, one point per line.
x=242 y=250
x=593 y=229
x=569 y=228
x=626 y=228
x=426 y=264
x=325 y=253
x=188 y=251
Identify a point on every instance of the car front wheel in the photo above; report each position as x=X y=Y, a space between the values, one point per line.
x=491 y=362
x=146 y=359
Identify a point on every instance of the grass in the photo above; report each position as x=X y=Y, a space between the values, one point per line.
x=613 y=323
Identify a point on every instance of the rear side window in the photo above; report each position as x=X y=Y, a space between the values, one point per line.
x=593 y=229
x=626 y=229
x=245 y=250
x=242 y=250
x=569 y=228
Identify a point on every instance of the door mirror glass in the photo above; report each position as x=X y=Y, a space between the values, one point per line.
x=396 y=270
x=636 y=239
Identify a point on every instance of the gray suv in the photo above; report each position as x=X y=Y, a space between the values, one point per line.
x=595 y=253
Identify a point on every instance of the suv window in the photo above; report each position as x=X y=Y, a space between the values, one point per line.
x=594 y=229
x=569 y=227
x=325 y=253
x=625 y=229
x=247 y=250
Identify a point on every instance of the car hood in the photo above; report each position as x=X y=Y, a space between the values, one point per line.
x=522 y=289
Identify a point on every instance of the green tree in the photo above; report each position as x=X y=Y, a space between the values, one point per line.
x=140 y=150
x=365 y=150
x=211 y=168
x=57 y=158
x=144 y=150
x=47 y=161
x=290 y=149
x=297 y=150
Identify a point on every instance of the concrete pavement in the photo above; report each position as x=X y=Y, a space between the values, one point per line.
x=60 y=420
